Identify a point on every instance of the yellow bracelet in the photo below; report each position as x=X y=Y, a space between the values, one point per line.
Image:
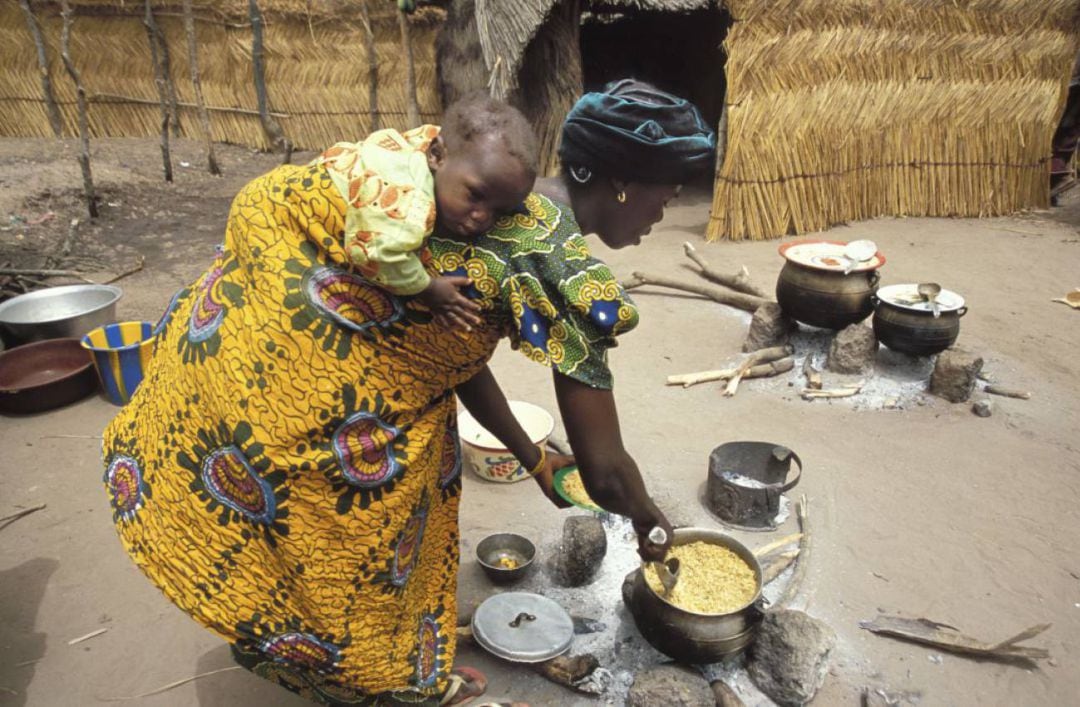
x=540 y=464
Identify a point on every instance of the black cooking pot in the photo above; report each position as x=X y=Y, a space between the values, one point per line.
x=814 y=289
x=907 y=325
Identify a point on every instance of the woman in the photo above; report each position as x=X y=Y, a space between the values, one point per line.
x=288 y=472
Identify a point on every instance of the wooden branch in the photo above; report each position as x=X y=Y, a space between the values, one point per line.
x=114 y=98
x=9 y=519
x=774 y=565
x=748 y=363
x=844 y=392
x=55 y=120
x=373 y=66
x=159 y=81
x=802 y=511
x=270 y=126
x=813 y=378
x=84 y=123
x=138 y=266
x=765 y=550
x=196 y=83
x=945 y=637
x=1008 y=392
x=738 y=300
x=69 y=239
x=43 y=272
x=740 y=281
x=410 y=70
x=758 y=357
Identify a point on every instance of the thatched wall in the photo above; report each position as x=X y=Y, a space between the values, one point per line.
x=850 y=109
x=316 y=69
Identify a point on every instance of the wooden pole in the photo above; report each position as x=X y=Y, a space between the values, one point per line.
x=55 y=121
x=410 y=70
x=270 y=126
x=159 y=81
x=196 y=83
x=84 y=126
x=170 y=87
x=373 y=66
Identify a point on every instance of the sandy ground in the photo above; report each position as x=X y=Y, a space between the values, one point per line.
x=926 y=511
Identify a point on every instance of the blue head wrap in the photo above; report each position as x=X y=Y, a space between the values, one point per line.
x=636 y=132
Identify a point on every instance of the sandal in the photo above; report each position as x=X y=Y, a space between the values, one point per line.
x=463 y=686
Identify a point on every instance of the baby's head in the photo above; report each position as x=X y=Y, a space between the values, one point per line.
x=484 y=162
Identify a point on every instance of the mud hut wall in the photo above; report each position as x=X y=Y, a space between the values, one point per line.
x=316 y=70
x=840 y=110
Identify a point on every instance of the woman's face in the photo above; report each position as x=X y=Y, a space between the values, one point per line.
x=627 y=222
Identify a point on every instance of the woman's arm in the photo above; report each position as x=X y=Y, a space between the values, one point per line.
x=484 y=399
x=609 y=473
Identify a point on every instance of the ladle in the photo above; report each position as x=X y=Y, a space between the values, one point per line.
x=668 y=570
x=929 y=292
x=858 y=252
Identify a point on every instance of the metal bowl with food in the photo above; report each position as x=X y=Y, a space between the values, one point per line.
x=505 y=557
x=58 y=312
x=694 y=636
x=904 y=320
x=45 y=375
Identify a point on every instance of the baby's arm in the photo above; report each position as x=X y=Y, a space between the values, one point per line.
x=451 y=308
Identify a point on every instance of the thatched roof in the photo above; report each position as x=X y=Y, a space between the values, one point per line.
x=506 y=28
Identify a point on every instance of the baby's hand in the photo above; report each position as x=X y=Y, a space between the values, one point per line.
x=452 y=309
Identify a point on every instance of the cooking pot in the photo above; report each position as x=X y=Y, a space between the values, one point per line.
x=687 y=636
x=904 y=322
x=814 y=289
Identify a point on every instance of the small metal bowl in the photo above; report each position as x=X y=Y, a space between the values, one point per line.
x=505 y=557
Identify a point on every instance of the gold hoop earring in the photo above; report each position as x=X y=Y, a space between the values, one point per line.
x=621 y=196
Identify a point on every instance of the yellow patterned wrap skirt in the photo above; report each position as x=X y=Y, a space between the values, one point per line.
x=288 y=472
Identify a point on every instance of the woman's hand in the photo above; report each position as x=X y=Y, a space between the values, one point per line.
x=650 y=551
x=546 y=477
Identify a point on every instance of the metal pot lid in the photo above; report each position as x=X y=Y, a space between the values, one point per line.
x=907 y=296
x=826 y=255
x=522 y=627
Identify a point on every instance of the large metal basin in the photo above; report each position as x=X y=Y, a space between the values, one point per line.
x=58 y=312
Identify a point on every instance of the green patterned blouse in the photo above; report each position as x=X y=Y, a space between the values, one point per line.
x=561 y=307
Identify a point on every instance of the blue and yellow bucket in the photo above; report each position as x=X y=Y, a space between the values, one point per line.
x=121 y=352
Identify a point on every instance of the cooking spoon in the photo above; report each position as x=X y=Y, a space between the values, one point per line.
x=929 y=292
x=858 y=252
x=668 y=570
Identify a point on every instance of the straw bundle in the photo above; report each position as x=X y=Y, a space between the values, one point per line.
x=851 y=109
x=317 y=69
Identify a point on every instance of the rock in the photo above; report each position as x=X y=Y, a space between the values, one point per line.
x=725 y=696
x=669 y=686
x=769 y=327
x=584 y=544
x=852 y=350
x=955 y=374
x=790 y=657
x=983 y=407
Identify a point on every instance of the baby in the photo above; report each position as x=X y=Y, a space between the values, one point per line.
x=400 y=187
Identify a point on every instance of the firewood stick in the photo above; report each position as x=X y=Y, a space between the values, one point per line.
x=813 y=378
x=765 y=550
x=774 y=565
x=802 y=510
x=740 y=282
x=769 y=355
x=738 y=300
x=1008 y=392
x=764 y=370
x=845 y=392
